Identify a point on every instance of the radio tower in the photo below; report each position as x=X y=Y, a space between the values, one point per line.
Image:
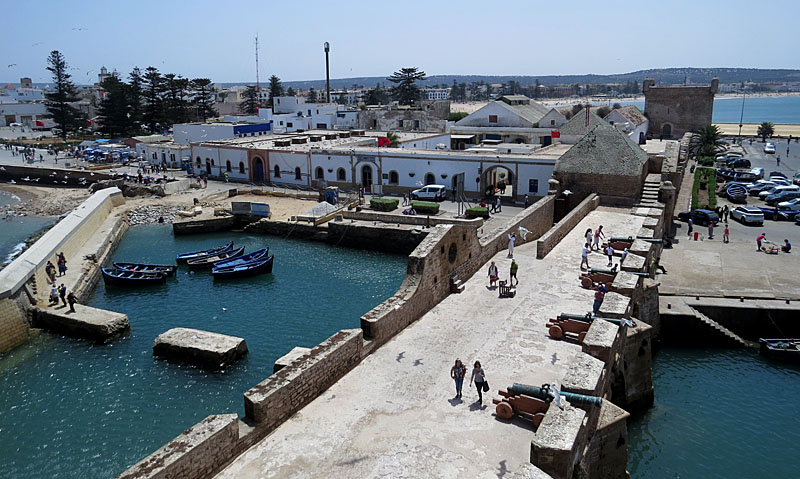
x=258 y=84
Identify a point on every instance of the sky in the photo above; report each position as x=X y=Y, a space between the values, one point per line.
x=215 y=39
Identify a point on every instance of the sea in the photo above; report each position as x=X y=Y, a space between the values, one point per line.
x=75 y=409
x=14 y=230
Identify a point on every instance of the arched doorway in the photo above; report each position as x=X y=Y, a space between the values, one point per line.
x=208 y=166
x=641 y=138
x=366 y=177
x=430 y=179
x=258 y=169
x=498 y=180
x=666 y=130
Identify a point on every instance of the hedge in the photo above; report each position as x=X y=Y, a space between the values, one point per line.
x=383 y=204
x=708 y=177
x=425 y=207
x=478 y=212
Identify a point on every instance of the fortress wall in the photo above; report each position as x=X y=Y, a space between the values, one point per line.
x=550 y=239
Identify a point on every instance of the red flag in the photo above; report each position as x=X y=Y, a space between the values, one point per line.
x=383 y=141
x=39 y=123
x=555 y=134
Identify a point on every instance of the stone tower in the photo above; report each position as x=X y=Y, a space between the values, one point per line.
x=674 y=110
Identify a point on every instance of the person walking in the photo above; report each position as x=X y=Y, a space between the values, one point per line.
x=589 y=235
x=62 y=264
x=62 y=293
x=527 y=201
x=779 y=160
x=725 y=214
x=726 y=234
x=585 y=256
x=691 y=224
x=457 y=372
x=599 y=296
x=513 y=274
x=71 y=299
x=512 y=238
x=610 y=254
x=493 y=274
x=405 y=200
x=498 y=207
x=479 y=376
x=53 y=295
x=710 y=230
x=759 y=239
x=50 y=270
x=597 y=235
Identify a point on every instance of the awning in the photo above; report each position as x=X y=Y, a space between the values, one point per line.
x=462 y=137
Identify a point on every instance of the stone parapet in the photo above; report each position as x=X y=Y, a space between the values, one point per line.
x=601 y=341
x=606 y=456
x=633 y=263
x=551 y=238
x=625 y=283
x=296 y=353
x=420 y=220
x=559 y=441
x=586 y=375
x=615 y=306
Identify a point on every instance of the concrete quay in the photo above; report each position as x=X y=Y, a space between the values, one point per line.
x=203 y=348
x=85 y=322
x=394 y=415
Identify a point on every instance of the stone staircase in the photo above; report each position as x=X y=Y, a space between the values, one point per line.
x=731 y=337
x=650 y=191
x=456 y=285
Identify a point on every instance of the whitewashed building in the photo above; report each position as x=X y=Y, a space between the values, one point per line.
x=509 y=119
x=630 y=120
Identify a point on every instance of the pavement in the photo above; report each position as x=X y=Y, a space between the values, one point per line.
x=395 y=414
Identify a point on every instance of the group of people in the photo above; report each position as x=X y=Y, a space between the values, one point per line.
x=772 y=249
x=458 y=372
x=61 y=292
x=592 y=243
x=50 y=268
x=494 y=274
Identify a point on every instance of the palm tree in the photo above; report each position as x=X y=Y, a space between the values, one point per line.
x=706 y=142
x=394 y=140
x=766 y=129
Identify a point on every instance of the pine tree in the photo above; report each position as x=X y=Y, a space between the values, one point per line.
x=312 y=96
x=250 y=102
x=153 y=114
x=203 y=98
x=275 y=89
x=176 y=105
x=135 y=100
x=66 y=117
x=405 y=90
x=290 y=92
x=114 y=111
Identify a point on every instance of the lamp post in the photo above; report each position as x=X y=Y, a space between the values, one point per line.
x=327 y=72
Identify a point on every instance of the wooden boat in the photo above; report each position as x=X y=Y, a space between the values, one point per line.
x=208 y=261
x=248 y=258
x=167 y=269
x=781 y=349
x=185 y=257
x=120 y=277
x=736 y=193
x=262 y=266
x=737 y=175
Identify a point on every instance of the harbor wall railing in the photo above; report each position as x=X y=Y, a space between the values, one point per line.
x=551 y=238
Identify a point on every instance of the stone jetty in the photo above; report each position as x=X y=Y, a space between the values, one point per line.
x=203 y=348
x=86 y=322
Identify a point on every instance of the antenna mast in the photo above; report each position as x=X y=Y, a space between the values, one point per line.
x=258 y=83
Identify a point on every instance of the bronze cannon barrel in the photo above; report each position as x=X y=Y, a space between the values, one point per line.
x=543 y=393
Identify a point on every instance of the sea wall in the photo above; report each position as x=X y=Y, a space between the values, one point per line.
x=550 y=239
x=421 y=220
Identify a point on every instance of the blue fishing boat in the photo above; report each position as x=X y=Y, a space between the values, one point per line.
x=120 y=277
x=781 y=349
x=207 y=261
x=737 y=193
x=185 y=257
x=262 y=266
x=168 y=270
x=248 y=258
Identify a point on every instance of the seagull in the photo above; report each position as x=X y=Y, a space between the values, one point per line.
x=12 y=65
x=2 y=168
x=27 y=178
x=13 y=182
x=224 y=309
x=36 y=179
x=79 y=29
x=37 y=43
x=91 y=174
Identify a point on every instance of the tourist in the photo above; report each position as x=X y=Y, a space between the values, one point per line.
x=205 y=181
x=50 y=270
x=512 y=238
x=405 y=200
x=585 y=256
x=479 y=376
x=62 y=264
x=759 y=239
x=710 y=230
x=690 y=223
x=513 y=275
x=787 y=247
x=457 y=372
x=599 y=296
x=725 y=214
x=778 y=158
x=53 y=295
x=62 y=293
x=226 y=177
x=493 y=275
x=527 y=201
x=655 y=266
x=498 y=207
x=597 y=235
x=624 y=255
x=610 y=254
x=71 y=299
x=589 y=235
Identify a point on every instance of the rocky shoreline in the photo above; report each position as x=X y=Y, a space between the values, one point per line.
x=150 y=214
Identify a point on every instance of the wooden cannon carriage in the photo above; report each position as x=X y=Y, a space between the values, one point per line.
x=531 y=402
x=575 y=326
x=595 y=277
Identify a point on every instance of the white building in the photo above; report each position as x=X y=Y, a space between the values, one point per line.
x=435 y=93
x=630 y=120
x=12 y=94
x=25 y=113
x=509 y=119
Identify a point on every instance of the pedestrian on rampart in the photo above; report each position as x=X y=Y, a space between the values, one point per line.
x=610 y=254
x=624 y=255
x=479 y=376
x=512 y=238
x=50 y=270
x=62 y=293
x=457 y=372
x=71 y=299
x=493 y=274
x=589 y=235
x=597 y=235
x=585 y=256
x=599 y=296
x=53 y=295
x=62 y=264
x=513 y=274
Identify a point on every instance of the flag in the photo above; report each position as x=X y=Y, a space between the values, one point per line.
x=555 y=134
x=39 y=123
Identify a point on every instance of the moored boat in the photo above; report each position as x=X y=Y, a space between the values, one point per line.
x=120 y=277
x=185 y=257
x=736 y=193
x=167 y=269
x=263 y=266
x=781 y=349
x=248 y=258
x=208 y=261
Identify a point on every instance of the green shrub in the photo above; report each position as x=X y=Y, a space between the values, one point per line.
x=704 y=179
x=477 y=212
x=705 y=161
x=456 y=115
x=425 y=207
x=383 y=204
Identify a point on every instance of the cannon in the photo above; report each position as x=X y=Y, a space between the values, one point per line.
x=575 y=326
x=545 y=394
x=532 y=402
x=596 y=277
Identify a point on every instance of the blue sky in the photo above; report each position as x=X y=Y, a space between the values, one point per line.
x=215 y=39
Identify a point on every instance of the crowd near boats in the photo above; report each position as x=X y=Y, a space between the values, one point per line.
x=224 y=262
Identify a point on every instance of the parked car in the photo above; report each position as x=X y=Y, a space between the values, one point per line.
x=790 y=205
x=796 y=178
x=777 y=173
x=782 y=196
x=430 y=192
x=778 y=189
x=769 y=148
x=699 y=217
x=769 y=213
x=785 y=215
x=748 y=215
x=755 y=188
x=759 y=172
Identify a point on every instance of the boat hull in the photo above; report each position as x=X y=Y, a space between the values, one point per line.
x=208 y=261
x=116 y=277
x=242 y=271
x=770 y=348
x=248 y=258
x=186 y=257
x=168 y=270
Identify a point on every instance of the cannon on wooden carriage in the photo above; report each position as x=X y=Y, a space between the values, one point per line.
x=532 y=402
x=575 y=326
x=620 y=242
x=595 y=277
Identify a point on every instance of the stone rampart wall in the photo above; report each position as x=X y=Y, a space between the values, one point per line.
x=409 y=220
x=551 y=238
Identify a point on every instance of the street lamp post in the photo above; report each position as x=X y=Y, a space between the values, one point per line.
x=327 y=72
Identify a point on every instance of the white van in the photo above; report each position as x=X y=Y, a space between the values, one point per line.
x=430 y=192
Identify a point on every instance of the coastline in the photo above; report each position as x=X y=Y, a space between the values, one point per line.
x=43 y=201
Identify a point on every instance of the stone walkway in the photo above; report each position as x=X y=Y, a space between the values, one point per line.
x=394 y=415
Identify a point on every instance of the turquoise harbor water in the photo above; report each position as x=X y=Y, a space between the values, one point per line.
x=717 y=414
x=16 y=229
x=74 y=409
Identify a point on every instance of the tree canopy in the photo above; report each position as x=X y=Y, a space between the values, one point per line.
x=250 y=101
x=405 y=90
x=766 y=129
x=275 y=89
x=58 y=102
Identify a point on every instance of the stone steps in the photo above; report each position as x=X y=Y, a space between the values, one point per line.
x=456 y=285
x=725 y=331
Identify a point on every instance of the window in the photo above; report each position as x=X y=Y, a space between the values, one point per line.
x=212 y=162
x=199 y=162
x=492 y=118
x=319 y=173
x=297 y=174
x=533 y=186
x=241 y=167
x=172 y=157
x=155 y=155
x=430 y=179
x=277 y=172
x=341 y=175
x=289 y=124
x=394 y=178
x=416 y=124
x=552 y=122
x=228 y=166
x=322 y=126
